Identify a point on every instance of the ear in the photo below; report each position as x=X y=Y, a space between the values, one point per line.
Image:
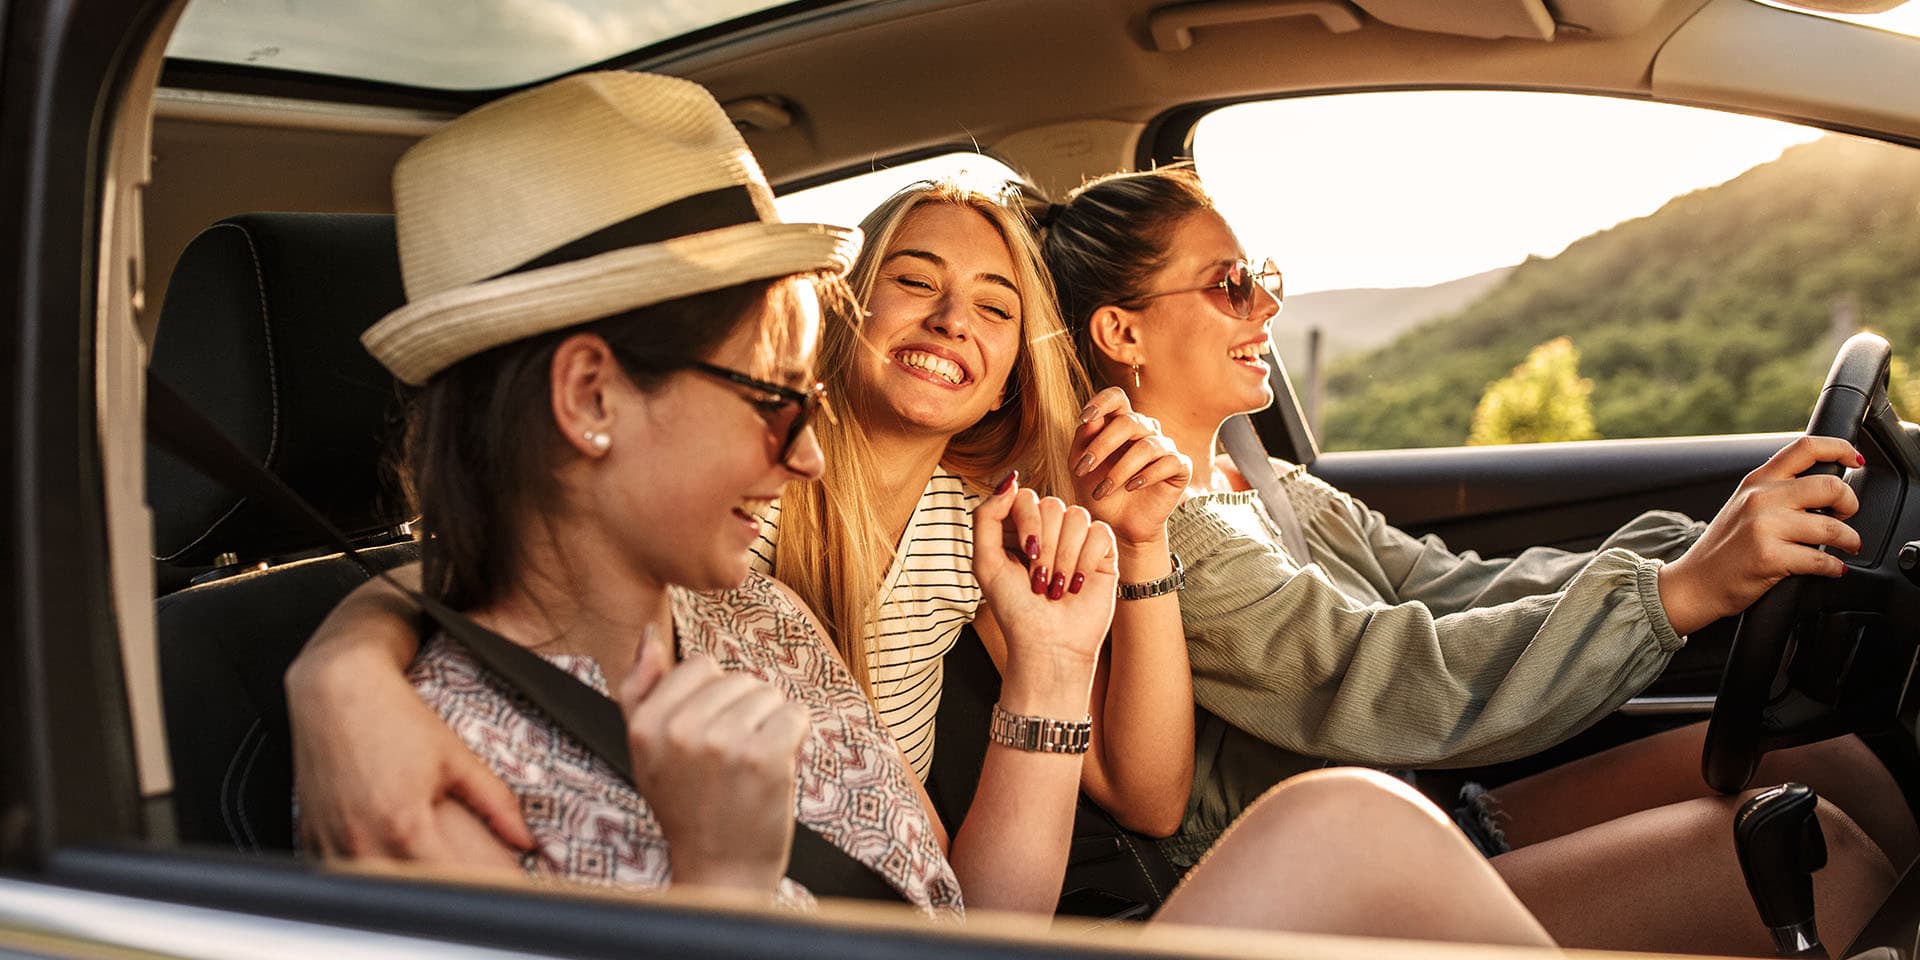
x=582 y=376
x=1115 y=334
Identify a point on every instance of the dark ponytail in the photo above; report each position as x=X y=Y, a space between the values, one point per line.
x=1109 y=237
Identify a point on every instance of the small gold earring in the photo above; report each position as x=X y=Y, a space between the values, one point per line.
x=1136 y=375
x=601 y=442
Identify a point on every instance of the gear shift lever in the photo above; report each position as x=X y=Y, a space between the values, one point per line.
x=1780 y=845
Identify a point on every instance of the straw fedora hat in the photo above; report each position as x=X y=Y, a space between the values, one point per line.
x=577 y=200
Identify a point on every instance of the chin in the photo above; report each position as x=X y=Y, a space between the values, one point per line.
x=719 y=573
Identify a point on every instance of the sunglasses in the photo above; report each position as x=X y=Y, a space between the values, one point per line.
x=787 y=411
x=1239 y=283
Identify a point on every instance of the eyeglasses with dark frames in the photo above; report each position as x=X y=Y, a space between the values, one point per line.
x=1239 y=283
x=804 y=404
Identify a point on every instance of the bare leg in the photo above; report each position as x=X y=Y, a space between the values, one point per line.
x=1351 y=852
x=1665 y=768
x=1667 y=880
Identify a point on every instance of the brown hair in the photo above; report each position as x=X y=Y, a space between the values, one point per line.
x=1109 y=237
x=481 y=444
x=832 y=549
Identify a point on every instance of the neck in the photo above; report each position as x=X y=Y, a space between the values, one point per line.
x=902 y=467
x=584 y=600
x=1193 y=433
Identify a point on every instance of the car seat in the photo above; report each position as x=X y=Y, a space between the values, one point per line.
x=260 y=333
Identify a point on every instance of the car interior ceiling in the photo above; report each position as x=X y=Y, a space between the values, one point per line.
x=228 y=142
x=261 y=311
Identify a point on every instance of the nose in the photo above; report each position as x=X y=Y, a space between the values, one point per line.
x=950 y=318
x=1266 y=306
x=806 y=460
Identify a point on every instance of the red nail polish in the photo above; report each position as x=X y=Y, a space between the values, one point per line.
x=1039 y=579
x=1079 y=580
x=1862 y=458
x=1006 y=484
x=1033 y=547
x=1057 y=588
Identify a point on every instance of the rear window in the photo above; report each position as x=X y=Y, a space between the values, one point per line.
x=848 y=200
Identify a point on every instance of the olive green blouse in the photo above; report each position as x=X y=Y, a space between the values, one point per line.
x=1391 y=651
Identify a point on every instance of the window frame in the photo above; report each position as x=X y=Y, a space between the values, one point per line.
x=1167 y=138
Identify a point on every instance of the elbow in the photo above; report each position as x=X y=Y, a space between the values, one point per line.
x=1157 y=825
x=1158 y=817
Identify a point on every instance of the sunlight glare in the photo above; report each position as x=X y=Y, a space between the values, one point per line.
x=1412 y=188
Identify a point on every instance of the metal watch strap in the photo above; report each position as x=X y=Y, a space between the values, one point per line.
x=1156 y=588
x=1039 y=734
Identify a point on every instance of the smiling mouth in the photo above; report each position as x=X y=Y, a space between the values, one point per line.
x=753 y=509
x=1250 y=354
x=935 y=367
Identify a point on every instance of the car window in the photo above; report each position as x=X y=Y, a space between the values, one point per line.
x=845 y=201
x=1475 y=267
x=447 y=44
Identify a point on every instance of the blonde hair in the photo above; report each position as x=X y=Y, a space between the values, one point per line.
x=832 y=548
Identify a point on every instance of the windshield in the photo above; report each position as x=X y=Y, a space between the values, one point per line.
x=446 y=44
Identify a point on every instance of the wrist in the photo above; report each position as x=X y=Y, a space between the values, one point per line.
x=1145 y=559
x=1679 y=597
x=756 y=878
x=1053 y=684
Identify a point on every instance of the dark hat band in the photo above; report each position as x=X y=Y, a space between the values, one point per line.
x=699 y=213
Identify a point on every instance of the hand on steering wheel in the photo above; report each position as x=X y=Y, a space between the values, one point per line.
x=1761 y=704
x=1771 y=528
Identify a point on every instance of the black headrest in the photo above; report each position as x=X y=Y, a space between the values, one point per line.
x=261 y=333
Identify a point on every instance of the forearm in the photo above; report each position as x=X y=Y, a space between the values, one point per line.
x=1313 y=672
x=1140 y=768
x=1011 y=851
x=375 y=626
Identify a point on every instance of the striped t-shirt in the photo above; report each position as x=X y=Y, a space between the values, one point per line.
x=928 y=595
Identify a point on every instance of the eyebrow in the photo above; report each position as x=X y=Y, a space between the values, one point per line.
x=941 y=262
x=1217 y=264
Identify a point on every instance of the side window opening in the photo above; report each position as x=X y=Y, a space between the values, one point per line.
x=1491 y=267
x=846 y=201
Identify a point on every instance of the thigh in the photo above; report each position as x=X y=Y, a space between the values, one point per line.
x=1350 y=852
x=1650 y=772
x=1667 y=880
x=1665 y=769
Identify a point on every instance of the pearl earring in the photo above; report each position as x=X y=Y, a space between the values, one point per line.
x=1136 y=375
x=600 y=441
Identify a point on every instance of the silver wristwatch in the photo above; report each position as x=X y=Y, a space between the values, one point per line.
x=1039 y=734
x=1156 y=588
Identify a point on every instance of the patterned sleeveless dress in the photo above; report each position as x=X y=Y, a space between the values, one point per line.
x=591 y=826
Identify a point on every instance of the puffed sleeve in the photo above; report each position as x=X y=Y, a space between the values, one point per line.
x=1282 y=653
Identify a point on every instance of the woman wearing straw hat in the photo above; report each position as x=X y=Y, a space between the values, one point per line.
x=612 y=329
x=611 y=368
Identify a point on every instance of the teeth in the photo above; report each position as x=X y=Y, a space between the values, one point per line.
x=1247 y=351
x=938 y=366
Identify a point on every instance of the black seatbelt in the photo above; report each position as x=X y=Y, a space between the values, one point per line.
x=573 y=706
x=1249 y=455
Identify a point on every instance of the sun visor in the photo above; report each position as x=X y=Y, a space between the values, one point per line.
x=1486 y=19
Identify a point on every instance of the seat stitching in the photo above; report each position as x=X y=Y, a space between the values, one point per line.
x=240 y=804
x=226 y=781
x=273 y=385
x=1127 y=842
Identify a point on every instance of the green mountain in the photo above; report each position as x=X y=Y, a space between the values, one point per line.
x=1352 y=321
x=1717 y=313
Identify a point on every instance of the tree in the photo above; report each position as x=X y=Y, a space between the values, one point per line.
x=1544 y=399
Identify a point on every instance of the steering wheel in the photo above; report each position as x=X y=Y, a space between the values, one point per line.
x=1759 y=708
